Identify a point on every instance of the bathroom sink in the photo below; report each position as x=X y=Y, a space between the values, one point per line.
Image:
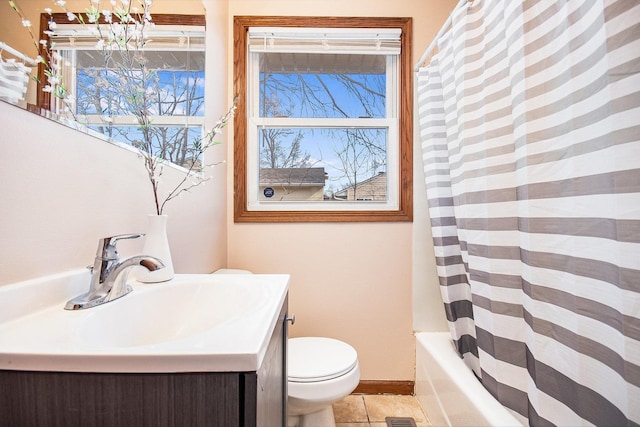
x=193 y=323
x=194 y=305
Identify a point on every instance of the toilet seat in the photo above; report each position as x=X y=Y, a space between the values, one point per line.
x=313 y=359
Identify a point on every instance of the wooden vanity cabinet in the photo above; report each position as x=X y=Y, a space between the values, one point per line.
x=215 y=399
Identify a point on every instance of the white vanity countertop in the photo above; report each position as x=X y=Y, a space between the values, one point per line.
x=192 y=323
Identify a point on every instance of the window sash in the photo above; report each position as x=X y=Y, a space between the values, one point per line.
x=390 y=123
x=70 y=75
x=256 y=203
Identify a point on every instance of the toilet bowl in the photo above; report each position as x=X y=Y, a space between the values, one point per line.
x=321 y=371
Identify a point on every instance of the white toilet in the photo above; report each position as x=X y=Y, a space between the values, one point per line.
x=321 y=372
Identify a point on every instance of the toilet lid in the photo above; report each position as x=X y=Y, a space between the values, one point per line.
x=313 y=359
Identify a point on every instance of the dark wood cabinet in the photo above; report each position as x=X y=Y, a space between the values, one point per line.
x=215 y=399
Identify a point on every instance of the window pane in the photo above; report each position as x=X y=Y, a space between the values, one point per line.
x=171 y=86
x=303 y=85
x=172 y=143
x=171 y=89
x=304 y=164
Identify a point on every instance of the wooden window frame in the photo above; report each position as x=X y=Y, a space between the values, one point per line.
x=404 y=212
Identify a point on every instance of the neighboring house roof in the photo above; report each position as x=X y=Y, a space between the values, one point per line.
x=292 y=176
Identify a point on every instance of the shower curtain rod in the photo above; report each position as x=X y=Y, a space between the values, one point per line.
x=29 y=61
x=444 y=28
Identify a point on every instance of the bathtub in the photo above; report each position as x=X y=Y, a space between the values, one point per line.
x=448 y=391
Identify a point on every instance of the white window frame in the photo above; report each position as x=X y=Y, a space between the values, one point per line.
x=255 y=122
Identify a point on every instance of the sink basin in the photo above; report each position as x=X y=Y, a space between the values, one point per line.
x=193 y=323
x=195 y=305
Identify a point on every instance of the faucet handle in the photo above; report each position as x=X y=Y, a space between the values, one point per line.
x=107 y=246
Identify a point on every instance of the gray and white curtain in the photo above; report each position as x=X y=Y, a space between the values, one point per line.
x=530 y=131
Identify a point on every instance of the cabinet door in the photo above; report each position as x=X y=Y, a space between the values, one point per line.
x=85 y=399
x=266 y=390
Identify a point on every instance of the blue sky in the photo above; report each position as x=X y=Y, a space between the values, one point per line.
x=286 y=95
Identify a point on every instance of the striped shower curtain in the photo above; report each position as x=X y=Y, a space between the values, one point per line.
x=530 y=132
x=14 y=80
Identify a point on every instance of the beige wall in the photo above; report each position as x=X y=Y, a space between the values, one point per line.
x=348 y=281
x=60 y=191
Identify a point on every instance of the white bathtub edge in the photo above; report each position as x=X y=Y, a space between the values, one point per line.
x=448 y=390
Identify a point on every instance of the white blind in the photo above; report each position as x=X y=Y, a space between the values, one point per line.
x=373 y=41
x=160 y=37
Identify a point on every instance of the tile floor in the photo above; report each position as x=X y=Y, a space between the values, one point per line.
x=366 y=410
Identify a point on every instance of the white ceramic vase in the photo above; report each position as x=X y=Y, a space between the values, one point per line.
x=157 y=244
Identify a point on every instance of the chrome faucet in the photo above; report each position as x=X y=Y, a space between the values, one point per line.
x=109 y=274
